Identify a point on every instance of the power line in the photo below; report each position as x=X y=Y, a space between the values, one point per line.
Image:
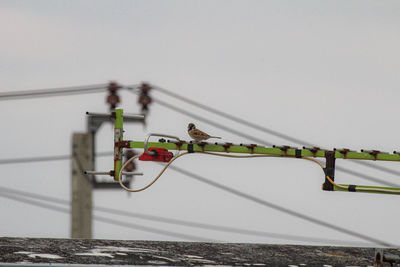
x=47 y=158
x=215 y=124
x=95 y=88
x=266 y=130
x=106 y=220
x=281 y=208
x=231 y=117
x=365 y=176
x=381 y=168
x=186 y=223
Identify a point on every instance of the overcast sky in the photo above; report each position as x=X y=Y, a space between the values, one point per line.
x=322 y=71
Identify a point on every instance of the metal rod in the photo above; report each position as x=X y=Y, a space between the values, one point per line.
x=109 y=173
x=98 y=115
x=127 y=117
x=97 y=173
x=133 y=173
x=133 y=116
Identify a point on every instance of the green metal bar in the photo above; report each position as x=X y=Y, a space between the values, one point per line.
x=336 y=188
x=268 y=151
x=119 y=120
x=118 y=136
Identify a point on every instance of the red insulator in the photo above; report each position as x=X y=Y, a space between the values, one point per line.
x=161 y=155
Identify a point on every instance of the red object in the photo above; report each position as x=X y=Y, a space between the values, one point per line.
x=161 y=155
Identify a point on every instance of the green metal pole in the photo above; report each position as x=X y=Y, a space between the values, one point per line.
x=357 y=187
x=284 y=152
x=291 y=152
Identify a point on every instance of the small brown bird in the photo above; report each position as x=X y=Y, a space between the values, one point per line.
x=198 y=135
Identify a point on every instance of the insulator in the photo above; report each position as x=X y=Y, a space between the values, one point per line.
x=113 y=99
x=144 y=99
x=145 y=88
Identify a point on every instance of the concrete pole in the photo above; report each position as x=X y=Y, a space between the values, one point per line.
x=81 y=186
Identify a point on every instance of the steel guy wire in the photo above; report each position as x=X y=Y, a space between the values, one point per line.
x=106 y=220
x=231 y=117
x=200 y=118
x=186 y=223
x=281 y=208
x=266 y=130
x=53 y=92
x=47 y=158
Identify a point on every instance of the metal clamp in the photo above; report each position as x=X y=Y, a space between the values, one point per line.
x=146 y=141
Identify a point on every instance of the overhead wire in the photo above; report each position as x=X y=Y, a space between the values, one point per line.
x=200 y=118
x=107 y=220
x=281 y=208
x=229 y=116
x=47 y=158
x=186 y=223
x=25 y=94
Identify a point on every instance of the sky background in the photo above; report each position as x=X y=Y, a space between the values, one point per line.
x=326 y=72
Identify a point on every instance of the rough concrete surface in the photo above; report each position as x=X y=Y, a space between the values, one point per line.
x=114 y=252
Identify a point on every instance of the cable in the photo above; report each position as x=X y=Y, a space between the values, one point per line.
x=186 y=223
x=378 y=190
x=273 y=132
x=53 y=92
x=231 y=117
x=215 y=124
x=170 y=162
x=365 y=176
x=381 y=168
x=47 y=158
x=152 y=182
x=107 y=220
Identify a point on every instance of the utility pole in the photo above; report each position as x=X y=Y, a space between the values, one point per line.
x=81 y=186
x=83 y=159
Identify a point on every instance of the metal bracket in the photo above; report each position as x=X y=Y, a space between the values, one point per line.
x=329 y=170
x=146 y=141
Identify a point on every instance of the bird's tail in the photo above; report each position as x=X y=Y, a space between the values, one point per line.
x=215 y=137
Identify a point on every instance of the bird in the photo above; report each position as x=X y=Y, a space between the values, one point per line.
x=198 y=135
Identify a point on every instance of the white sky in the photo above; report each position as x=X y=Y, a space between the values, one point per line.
x=322 y=71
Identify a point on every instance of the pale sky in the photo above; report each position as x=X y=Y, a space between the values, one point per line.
x=322 y=71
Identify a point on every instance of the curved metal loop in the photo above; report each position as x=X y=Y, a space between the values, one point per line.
x=159 y=135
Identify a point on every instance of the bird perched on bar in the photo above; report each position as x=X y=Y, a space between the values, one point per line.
x=198 y=135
